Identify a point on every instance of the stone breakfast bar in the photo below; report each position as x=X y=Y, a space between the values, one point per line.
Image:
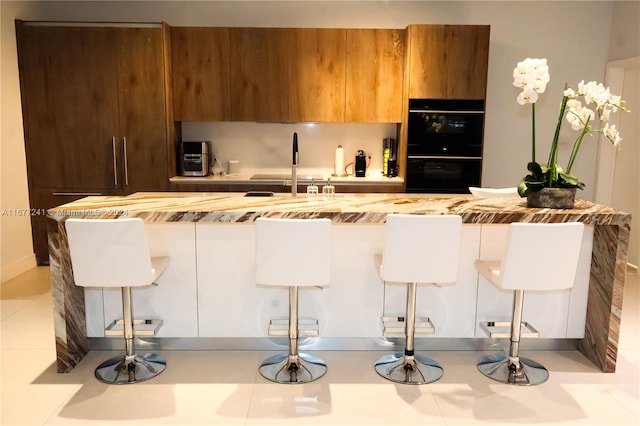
x=208 y=299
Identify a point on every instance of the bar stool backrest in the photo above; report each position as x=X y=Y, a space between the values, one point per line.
x=293 y=252
x=109 y=252
x=421 y=248
x=541 y=256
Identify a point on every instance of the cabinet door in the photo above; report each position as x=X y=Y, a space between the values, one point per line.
x=260 y=77
x=141 y=95
x=428 y=61
x=448 y=61
x=200 y=73
x=375 y=63
x=467 y=61
x=70 y=105
x=317 y=75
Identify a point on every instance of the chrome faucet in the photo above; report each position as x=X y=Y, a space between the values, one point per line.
x=294 y=167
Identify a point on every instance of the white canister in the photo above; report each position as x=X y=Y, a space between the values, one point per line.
x=339 y=161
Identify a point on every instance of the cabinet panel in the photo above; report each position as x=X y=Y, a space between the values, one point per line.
x=70 y=105
x=428 y=61
x=448 y=61
x=201 y=73
x=375 y=62
x=260 y=77
x=317 y=75
x=141 y=96
x=467 y=61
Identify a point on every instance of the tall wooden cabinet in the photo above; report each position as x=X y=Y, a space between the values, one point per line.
x=448 y=61
x=94 y=111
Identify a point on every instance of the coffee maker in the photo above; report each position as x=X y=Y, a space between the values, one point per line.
x=360 y=165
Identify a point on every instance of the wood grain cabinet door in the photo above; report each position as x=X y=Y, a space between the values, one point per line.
x=142 y=112
x=200 y=73
x=70 y=105
x=259 y=74
x=317 y=75
x=448 y=61
x=375 y=63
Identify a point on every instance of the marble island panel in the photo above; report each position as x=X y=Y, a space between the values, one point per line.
x=345 y=208
x=608 y=259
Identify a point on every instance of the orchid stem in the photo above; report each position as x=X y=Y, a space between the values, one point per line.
x=553 y=155
x=533 y=132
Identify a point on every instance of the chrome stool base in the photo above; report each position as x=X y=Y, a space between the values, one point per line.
x=121 y=371
x=293 y=369
x=496 y=367
x=409 y=370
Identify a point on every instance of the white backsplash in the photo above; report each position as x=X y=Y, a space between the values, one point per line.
x=268 y=146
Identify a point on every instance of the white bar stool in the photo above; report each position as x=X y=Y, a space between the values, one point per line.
x=293 y=253
x=114 y=253
x=417 y=249
x=538 y=256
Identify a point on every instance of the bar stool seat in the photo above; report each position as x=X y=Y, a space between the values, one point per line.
x=538 y=256
x=418 y=249
x=293 y=253
x=114 y=253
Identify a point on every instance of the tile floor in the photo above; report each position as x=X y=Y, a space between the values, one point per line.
x=224 y=388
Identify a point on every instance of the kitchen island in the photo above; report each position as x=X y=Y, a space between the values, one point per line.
x=214 y=239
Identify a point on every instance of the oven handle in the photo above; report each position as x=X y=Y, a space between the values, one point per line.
x=439 y=111
x=440 y=157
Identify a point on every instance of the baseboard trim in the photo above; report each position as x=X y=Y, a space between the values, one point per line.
x=17 y=267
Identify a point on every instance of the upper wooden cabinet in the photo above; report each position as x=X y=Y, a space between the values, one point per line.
x=201 y=73
x=260 y=74
x=375 y=62
x=448 y=61
x=317 y=75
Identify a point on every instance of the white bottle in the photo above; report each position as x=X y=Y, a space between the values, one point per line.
x=339 y=162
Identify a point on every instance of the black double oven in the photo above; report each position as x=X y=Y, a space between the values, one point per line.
x=444 y=151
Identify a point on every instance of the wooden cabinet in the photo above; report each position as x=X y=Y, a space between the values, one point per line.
x=94 y=111
x=448 y=61
x=260 y=74
x=201 y=73
x=375 y=63
x=317 y=75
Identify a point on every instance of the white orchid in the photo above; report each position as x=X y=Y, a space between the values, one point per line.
x=532 y=76
x=612 y=134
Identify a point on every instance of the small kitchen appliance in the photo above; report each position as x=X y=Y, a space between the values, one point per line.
x=360 y=164
x=194 y=158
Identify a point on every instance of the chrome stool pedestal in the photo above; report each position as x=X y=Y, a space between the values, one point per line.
x=293 y=367
x=131 y=367
x=513 y=369
x=409 y=368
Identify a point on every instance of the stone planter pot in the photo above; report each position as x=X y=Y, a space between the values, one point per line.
x=553 y=198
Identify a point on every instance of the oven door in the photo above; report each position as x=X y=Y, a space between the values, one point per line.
x=444 y=175
x=448 y=130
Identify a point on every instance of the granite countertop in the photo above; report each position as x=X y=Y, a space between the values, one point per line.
x=343 y=208
x=320 y=179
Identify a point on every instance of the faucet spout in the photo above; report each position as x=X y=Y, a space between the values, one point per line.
x=294 y=167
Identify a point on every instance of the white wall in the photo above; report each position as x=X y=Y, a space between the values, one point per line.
x=626 y=178
x=573 y=36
